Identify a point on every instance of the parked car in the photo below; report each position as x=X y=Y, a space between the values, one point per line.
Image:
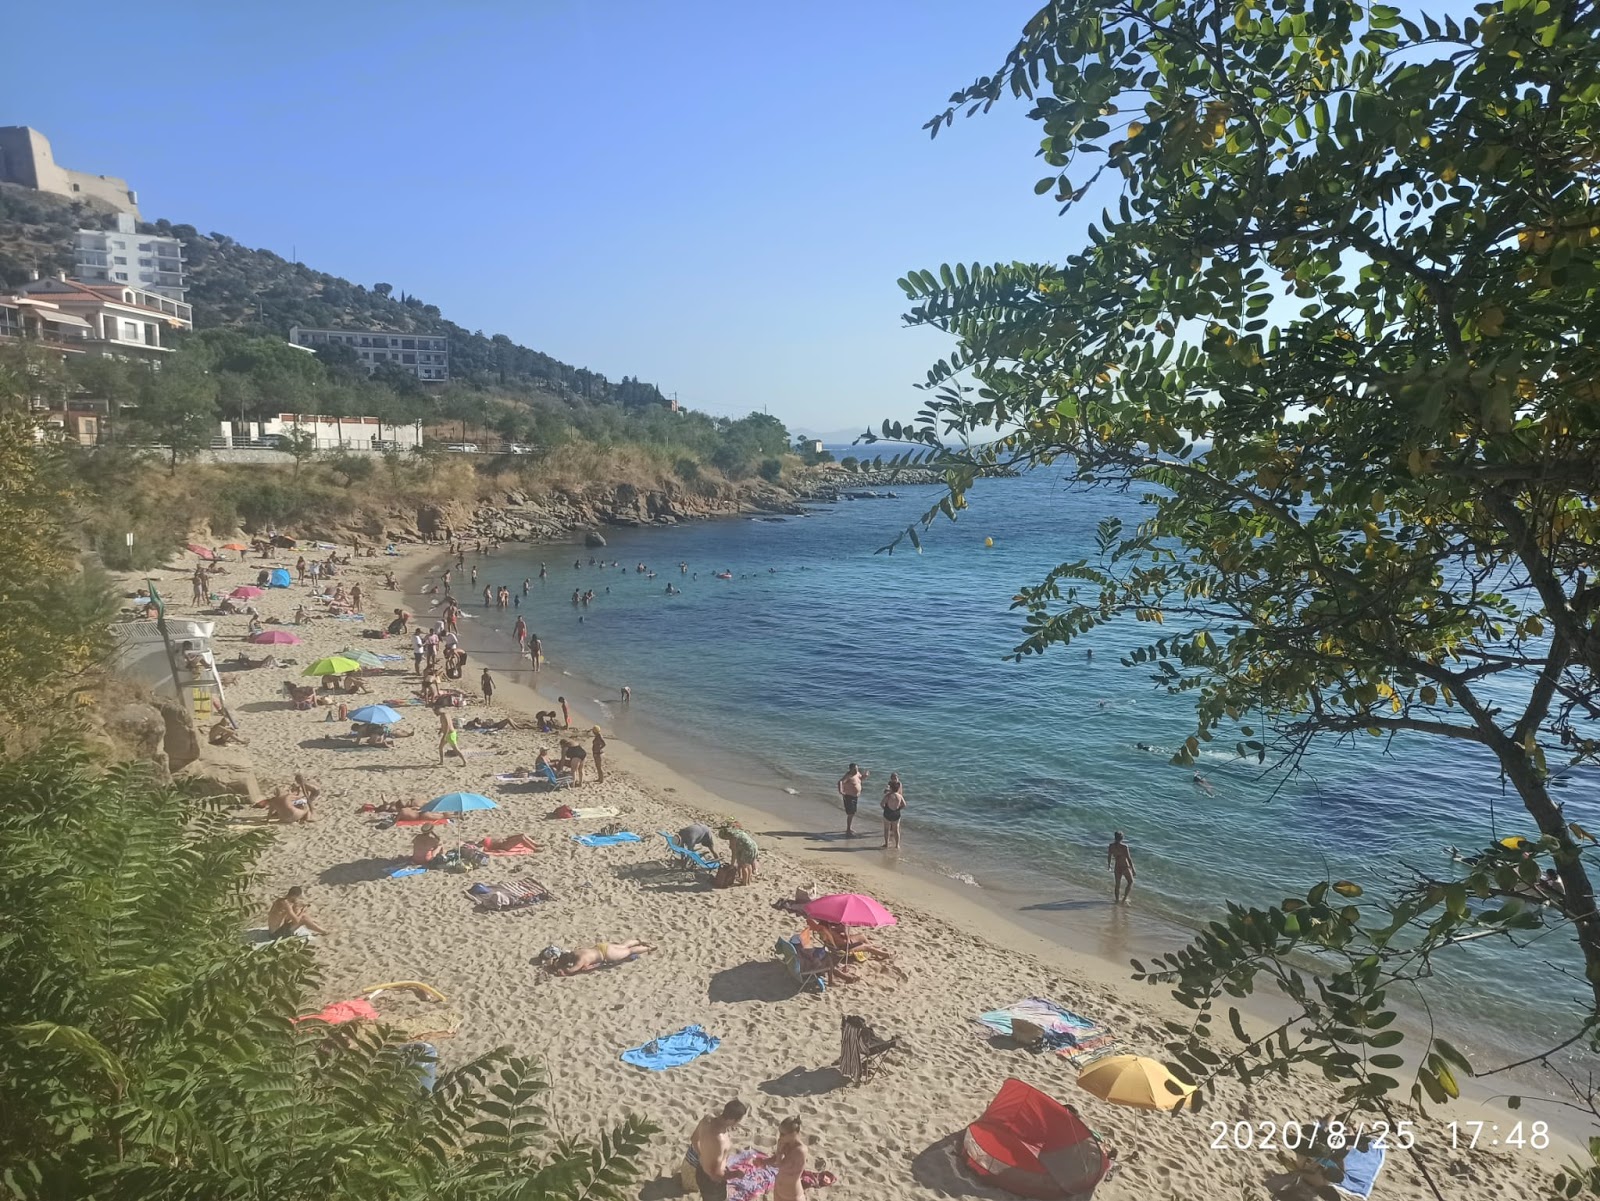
x=462 y=448
x=518 y=448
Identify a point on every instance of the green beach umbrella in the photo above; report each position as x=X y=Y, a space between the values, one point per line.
x=333 y=665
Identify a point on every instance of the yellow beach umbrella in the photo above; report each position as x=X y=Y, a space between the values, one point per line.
x=1133 y=1080
x=333 y=665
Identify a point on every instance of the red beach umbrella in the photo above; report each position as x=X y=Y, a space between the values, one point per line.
x=246 y=592
x=849 y=909
x=276 y=637
x=205 y=552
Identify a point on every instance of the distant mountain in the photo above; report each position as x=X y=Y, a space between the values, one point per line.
x=233 y=285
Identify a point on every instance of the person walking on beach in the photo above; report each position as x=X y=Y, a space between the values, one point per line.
x=850 y=793
x=566 y=714
x=417 y=653
x=535 y=651
x=705 y=1162
x=449 y=739
x=1119 y=860
x=894 y=804
x=486 y=683
x=597 y=748
x=520 y=633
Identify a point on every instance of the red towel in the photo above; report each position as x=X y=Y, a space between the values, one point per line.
x=343 y=1011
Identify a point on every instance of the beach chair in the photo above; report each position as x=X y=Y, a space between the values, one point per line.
x=555 y=779
x=500 y=898
x=687 y=858
x=861 y=1051
x=809 y=970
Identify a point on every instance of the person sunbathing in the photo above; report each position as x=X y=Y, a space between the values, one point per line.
x=511 y=842
x=483 y=723
x=285 y=807
x=246 y=663
x=288 y=914
x=602 y=954
x=839 y=939
x=255 y=626
x=405 y=811
x=355 y=684
x=544 y=761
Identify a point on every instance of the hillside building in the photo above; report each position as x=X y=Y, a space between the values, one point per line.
x=424 y=355
x=150 y=262
x=328 y=433
x=26 y=159
x=118 y=320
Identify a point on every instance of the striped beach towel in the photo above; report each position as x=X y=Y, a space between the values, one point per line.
x=1077 y=1039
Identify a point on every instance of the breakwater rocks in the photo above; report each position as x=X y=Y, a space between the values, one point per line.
x=877 y=483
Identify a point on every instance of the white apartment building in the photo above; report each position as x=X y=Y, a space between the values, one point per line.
x=152 y=262
x=424 y=355
x=117 y=320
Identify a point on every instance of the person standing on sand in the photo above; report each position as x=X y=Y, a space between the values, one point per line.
x=449 y=739
x=417 y=653
x=535 y=651
x=705 y=1162
x=1119 y=859
x=790 y=1159
x=850 y=792
x=597 y=748
x=566 y=715
x=486 y=683
x=894 y=805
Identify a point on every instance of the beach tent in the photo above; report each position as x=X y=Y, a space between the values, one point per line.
x=1031 y=1145
x=280 y=578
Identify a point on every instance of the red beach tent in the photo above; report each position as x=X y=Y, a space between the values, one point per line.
x=1033 y=1146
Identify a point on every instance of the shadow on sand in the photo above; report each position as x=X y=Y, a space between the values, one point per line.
x=935 y=1169
x=805 y=1082
x=359 y=871
x=754 y=981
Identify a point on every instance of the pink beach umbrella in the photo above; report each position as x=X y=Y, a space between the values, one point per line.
x=849 y=909
x=205 y=552
x=276 y=637
x=246 y=592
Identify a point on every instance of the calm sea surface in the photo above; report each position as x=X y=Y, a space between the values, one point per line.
x=820 y=651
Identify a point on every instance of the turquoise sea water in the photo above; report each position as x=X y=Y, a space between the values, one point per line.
x=820 y=651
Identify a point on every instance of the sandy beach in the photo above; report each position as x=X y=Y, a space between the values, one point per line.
x=889 y=1139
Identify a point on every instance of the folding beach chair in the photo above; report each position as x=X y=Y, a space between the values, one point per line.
x=555 y=779
x=500 y=898
x=861 y=1051
x=810 y=971
x=688 y=858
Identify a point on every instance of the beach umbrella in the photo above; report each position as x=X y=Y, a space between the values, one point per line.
x=458 y=802
x=275 y=638
x=365 y=658
x=233 y=546
x=376 y=715
x=333 y=665
x=1135 y=1081
x=848 y=909
x=205 y=552
x=247 y=592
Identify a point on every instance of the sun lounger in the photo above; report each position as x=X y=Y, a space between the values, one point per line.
x=688 y=858
x=809 y=969
x=861 y=1051
x=516 y=894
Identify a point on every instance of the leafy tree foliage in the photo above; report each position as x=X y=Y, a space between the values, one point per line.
x=150 y=1052
x=1336 y=321
x=177 y=408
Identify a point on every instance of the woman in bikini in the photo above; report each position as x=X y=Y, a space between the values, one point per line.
x=894 y=804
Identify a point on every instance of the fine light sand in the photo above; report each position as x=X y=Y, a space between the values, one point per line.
x=889 y=1140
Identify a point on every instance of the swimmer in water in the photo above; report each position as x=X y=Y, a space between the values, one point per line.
x=1204 y=785
x=1144 y=746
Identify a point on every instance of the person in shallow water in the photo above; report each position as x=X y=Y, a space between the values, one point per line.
x=1119 y=860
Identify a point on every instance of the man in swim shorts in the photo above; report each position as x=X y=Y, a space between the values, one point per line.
x=850 y=793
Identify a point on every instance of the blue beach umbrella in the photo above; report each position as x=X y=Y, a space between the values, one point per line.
x=458 y=802
x=377 y=715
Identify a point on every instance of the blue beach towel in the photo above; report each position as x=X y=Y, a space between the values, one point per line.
x=1361 y=1169
x=672 y=1050
x=411 y=870
x=604 y=840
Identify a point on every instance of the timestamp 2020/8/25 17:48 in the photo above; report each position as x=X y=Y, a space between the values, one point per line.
x=1400 y=1135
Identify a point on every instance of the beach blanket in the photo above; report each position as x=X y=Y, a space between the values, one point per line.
x=1361 y=1168
x=605 y=840
x=750 y=1175
x=1074 y=1037
x=586 y=814
x=672 y=1050
x=262 y=937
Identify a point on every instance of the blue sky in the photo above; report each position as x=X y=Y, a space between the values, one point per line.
x=717 y=197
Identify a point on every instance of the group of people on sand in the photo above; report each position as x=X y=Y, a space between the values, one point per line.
x=894 y=803
x=706 y=1171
